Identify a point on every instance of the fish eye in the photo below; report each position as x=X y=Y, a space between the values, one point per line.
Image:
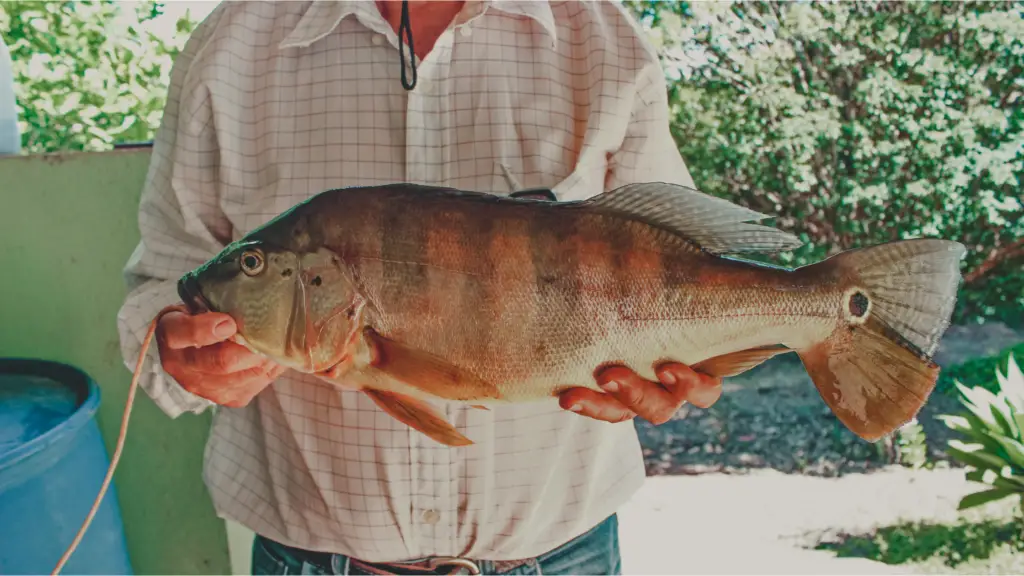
x=251 y=262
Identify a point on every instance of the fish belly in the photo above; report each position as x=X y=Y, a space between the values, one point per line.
x=643 y=347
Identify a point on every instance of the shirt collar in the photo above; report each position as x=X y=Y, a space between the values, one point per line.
x=321 y=17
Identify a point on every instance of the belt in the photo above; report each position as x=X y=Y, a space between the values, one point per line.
x=432 y=565
x=438 y=565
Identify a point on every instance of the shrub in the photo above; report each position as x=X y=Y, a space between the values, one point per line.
x=860 y=122
x=993 y=427
x=976 y=371
x=87 y=75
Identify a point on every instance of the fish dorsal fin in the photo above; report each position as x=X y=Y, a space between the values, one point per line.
x=715 y=224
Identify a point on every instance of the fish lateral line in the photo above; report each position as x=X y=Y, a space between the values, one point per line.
x=420 y=264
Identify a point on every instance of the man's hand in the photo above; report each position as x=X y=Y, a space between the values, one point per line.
x=628 y=395
x=195 y=351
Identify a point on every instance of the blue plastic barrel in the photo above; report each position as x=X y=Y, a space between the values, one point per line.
x=52 y=463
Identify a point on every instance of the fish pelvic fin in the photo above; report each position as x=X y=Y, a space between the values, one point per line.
x=875 y=370
x=427 y=372
x=714 y=224
x=733 y=363
x=418 y=415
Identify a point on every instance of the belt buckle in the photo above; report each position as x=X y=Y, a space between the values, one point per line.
x=456 y=563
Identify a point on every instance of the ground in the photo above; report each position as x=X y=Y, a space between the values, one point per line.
x=768 y=481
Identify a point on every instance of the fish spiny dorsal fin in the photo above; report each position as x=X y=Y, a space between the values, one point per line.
x=715 y=224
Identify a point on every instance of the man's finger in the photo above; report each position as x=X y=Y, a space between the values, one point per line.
x=180 y=331
x=255 y=381
x=595 y=405
x=221 y=358
x=688 y=385
x=229 y=389
x=649 y=400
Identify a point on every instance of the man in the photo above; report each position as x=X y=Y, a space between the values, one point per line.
x=271 y=103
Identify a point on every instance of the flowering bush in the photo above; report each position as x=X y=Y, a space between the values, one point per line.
x=860 y=122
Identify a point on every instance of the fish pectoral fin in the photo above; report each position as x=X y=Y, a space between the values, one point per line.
x=426 y=372
x=739 y=362
x=418 y=415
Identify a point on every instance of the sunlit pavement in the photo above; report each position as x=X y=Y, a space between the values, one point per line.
x=766 y=522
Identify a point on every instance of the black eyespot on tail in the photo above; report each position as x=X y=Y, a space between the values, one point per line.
x=316 y=281
x=858 y=304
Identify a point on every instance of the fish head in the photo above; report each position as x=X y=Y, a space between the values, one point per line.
x=296 y=306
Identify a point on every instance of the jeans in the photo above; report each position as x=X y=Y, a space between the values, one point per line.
x=594 y=552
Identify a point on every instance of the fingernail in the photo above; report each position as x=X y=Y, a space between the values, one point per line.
x=576 y=408
x=611 y=386
x=668 y=378
x=223 y=329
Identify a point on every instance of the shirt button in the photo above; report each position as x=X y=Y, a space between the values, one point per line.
x=466 y=31
x=431 y=516
x=377 y=40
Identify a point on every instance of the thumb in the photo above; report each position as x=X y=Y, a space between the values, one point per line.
x=183 y=331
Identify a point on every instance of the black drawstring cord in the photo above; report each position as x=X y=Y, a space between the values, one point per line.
x=404 y=25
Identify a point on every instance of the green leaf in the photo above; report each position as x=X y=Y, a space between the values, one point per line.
x=1019 y=419
x=1004 y=420
x=984 y=497
x=1014 y=452
x=978 y=400
x=991 y=477
x=977 y=458
x=975 y=430
x=1012 y=384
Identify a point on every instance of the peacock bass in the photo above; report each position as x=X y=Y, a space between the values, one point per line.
x=415 y=294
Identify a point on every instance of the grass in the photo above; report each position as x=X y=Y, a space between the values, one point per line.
x=982 y=546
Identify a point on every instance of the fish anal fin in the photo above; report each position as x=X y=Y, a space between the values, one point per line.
x=871 y=381
x=418 y=415
x=738 y=362
x=713 y=223
x=427 y=372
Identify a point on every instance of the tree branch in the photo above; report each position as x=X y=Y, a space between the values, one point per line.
x=995 y=257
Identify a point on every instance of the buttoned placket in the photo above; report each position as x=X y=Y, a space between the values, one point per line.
x=427 y=138
x=434 y=493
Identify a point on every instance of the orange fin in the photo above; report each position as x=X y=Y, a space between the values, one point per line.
x=875 y=369
x=418 y=415
x=739 y=362
x=872 y=382
x=426 y=372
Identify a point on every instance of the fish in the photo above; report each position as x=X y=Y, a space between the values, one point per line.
x=417 y=295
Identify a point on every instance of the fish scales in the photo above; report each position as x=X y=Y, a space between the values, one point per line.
x=578 y=287
x=555 y=281
x=449 y=292
x=478 y=298
x=581 y=314
x=512 y=295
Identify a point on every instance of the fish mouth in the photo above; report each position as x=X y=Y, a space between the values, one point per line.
x=192 y=296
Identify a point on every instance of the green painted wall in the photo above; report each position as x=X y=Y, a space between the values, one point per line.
x=67 y=227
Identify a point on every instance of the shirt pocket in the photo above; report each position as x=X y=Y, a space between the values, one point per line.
x=586 y=179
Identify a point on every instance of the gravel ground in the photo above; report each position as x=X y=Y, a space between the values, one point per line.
x=772 y=417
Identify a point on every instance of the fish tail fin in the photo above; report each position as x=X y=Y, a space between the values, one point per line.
x=875 y=370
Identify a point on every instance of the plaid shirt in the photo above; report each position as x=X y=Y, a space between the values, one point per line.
x=272 y=102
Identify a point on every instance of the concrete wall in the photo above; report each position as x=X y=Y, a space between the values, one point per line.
x=67 y=226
